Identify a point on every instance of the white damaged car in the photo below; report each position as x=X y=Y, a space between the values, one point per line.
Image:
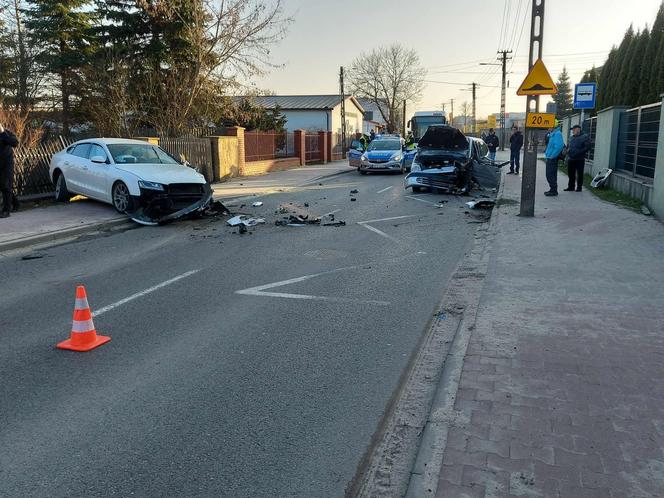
x=136 y=177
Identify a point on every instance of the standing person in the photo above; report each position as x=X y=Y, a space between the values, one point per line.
x=579 y=144
x=372 y=135
x=516 y=142
x=492 y=142
x=552 y=154
x=7 y=143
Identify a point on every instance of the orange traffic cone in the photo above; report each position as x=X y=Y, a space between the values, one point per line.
x=83 y=334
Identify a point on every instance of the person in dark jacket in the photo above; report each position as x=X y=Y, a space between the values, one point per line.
x=7 y=143
x=492 y=142
x=516 y=142
x=577 y=148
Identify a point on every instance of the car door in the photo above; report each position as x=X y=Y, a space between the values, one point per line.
x=73 y=164
x=354 y=154
x=95 y=179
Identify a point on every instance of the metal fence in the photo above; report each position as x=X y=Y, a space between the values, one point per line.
x=262 y=145
x=589 y=127
x=637 y=140
x=337 y=149
x=196 y=151
x=311 y=147
x=31 y=175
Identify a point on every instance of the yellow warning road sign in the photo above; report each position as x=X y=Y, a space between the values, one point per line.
x=540 y=120
x=538 y=82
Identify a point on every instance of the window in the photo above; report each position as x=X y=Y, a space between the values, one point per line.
x=368 y=115
x=81 y=150
x=97 y=150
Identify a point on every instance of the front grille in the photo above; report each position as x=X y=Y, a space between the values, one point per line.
x=435 y=182
x=379 y=161
x=185 y=188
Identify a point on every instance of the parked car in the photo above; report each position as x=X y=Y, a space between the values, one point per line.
x=383 y=155
x=448 y=161
x=136 y=177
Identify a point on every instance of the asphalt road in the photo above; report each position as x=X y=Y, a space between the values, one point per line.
x=262 y=370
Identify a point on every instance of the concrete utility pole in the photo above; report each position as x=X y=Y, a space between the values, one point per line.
x=474 y=107
x=503 y=58
x=343 y=113
x=451 y=112
x=403 y=120
x=530 y=135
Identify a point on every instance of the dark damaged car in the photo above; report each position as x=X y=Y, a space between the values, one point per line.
x=136 y=177
x=448 y=161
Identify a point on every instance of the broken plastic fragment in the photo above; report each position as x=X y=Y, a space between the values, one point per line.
x=601 y=178
x=354 y=191
x=257 y=204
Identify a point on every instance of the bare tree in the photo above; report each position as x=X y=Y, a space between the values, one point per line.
x=389 y=76
x=465 y=109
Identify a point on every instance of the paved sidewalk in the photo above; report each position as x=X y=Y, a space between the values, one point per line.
x=55 y=221
x=561 y=393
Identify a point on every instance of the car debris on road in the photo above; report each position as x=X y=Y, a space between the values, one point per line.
x=480 y=204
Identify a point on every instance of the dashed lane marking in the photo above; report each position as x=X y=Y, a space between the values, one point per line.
x=385 y=189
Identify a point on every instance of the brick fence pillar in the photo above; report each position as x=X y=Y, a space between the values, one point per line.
x=322 y=146
x=300 y=146
x=329 y=145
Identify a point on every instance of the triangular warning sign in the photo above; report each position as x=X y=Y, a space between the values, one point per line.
x=538 y=81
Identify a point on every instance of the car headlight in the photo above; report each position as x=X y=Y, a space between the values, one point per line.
x=397 y=157
x=150 y=185
x=364 y=159
x=415 y=166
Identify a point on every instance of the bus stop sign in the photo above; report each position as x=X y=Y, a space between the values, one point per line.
x=585 y=95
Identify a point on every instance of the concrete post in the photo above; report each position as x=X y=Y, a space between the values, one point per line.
x=329 y=145
x=225 y=156
x=300 y=146
x=606 y=138
x=657 y=199
x=322 y=146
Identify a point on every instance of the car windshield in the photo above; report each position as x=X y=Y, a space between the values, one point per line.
x=385 y=145
x=139 y=154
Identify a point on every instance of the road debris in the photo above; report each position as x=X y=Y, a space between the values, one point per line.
x=600 y=178
x=353 y=199
x=335 y=224
x=29 y=257
x=297 y=221
x=354 y=191
x=244 y=221
x=480 y=204
x=257 y=204
x=645 y=210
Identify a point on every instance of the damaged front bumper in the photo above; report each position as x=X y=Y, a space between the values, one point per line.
x=446 y=179
x=381 y=166
x=178 y=201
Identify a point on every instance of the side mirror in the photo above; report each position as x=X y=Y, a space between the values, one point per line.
x=98 y=159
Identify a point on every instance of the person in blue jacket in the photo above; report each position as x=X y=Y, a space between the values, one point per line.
x=553 y=150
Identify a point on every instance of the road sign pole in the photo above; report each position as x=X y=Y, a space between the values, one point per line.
x=529 y=178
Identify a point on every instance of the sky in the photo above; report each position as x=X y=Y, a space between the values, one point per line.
x=452 y=38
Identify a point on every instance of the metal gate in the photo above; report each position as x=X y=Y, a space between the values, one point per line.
x=311 y=147
x=590 y=128
x=196 y=151
x=637 y=140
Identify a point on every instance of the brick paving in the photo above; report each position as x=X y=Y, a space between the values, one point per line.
x=562 y=390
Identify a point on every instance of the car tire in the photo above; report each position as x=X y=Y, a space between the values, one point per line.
x=417 y=189
x=61 y=192
x=121 y=198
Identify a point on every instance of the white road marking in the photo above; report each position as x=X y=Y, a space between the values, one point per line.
x=422 y=200
x=379 y=232
x=385 y=189
x=331 y=212
x=144 y=292
x=259 y=290
x=387 y=219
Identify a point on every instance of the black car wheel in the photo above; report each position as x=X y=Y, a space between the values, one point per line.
x=61 y=192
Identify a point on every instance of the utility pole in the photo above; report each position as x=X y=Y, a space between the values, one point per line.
x=530 y=137
x=474 y=108
x=403 y=119
x=451 y=111
x=343 y=113
x=503 y=58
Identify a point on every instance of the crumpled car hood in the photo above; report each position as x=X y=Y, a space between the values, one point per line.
x=163 y=173
x=443 y=137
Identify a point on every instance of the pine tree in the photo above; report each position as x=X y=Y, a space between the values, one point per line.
x=632 y=95
x=605 y=80
x=590 y=76
x=63 y=31
x=649 y=91
x=625 y=51
x=564 y=98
